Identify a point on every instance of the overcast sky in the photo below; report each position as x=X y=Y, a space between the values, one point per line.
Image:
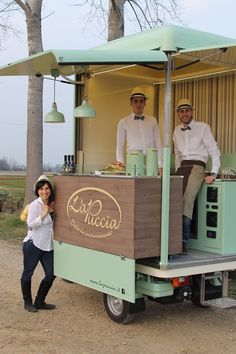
x=64 y=30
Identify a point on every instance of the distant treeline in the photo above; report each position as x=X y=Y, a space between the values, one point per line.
x=12 y=165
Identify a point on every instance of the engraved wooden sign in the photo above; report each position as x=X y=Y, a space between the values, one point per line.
x=121 y=216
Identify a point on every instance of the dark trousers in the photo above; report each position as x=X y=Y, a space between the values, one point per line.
x=32 y=256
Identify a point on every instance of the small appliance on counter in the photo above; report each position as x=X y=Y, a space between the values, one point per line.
x=135 y=163
x=151 y=162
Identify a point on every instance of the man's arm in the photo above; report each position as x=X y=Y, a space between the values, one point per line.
x=178 y=156
x=158 y=145
x=120 y=142
x=214 y=152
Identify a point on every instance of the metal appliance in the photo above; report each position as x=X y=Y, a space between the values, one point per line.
x=216 y=218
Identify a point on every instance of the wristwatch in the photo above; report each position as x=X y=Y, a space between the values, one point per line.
x=214 y=175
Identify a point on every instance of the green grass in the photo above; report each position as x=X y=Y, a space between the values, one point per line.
x=12 y=190
x=12 y=228
x=12 y=183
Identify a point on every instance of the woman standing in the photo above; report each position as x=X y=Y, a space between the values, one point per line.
x=38 y=246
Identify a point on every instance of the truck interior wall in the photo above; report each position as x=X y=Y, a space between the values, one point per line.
x=109 y=95
x=214 y=100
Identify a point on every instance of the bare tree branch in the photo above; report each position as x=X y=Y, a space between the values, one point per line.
x=144 y=13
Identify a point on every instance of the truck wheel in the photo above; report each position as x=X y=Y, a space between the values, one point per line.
x=117 y=309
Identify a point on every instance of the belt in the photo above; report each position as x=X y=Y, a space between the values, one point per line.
x=186 y=163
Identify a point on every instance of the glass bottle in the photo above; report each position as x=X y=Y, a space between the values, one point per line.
x=64 y=167
x=72 y=158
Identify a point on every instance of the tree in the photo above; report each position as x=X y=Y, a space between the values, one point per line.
x=115 y=19
x=32 y=11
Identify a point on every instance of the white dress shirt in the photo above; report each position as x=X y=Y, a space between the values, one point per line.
x=139 y=135
x=40 y=231
x=196 y=144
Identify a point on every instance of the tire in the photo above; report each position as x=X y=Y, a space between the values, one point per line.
x=117 y=309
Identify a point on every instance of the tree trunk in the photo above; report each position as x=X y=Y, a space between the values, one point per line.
x=32 y=9
x=116 y=19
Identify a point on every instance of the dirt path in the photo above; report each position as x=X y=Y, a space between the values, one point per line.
x=80 y=325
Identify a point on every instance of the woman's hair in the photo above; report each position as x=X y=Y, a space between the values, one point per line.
x=39 y=185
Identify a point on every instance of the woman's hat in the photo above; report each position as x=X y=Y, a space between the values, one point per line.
x=184 y=103
x=138 y=92
x=41 y=178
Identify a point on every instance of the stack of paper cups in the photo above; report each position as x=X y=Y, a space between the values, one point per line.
x=151 y=162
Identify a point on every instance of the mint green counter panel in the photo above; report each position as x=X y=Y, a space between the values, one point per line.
x=101 y=271
x=216 y=218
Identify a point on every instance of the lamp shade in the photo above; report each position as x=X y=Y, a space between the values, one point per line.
x=54 y=116
x=84 y=110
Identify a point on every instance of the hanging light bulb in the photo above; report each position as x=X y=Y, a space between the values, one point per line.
x=54 y=116
x=84 y=110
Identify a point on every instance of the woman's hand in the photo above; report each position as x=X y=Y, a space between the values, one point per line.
x=44 y=211
x=51 y=207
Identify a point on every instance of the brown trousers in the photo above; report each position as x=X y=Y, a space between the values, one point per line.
x=194 y=174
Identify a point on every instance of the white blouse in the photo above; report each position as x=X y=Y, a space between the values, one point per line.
x=41 y=232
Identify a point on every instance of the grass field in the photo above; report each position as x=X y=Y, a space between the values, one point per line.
x=12 y=189
x=12 y=183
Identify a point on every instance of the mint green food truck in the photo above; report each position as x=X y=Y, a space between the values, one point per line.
x=121 y=233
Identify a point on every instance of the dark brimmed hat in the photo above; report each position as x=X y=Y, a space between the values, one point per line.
x=184 y=103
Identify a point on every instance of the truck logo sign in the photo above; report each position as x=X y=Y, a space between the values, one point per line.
x=94 y=212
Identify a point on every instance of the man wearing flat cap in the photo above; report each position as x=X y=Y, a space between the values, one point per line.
x=138 y=130
x=193 y=144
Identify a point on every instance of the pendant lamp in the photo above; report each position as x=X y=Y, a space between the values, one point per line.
x=54 y=116
x=84 y=110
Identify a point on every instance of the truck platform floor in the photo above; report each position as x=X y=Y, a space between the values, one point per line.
x=194 y=262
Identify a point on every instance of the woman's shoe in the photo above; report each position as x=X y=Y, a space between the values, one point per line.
x=30 y=308
x=44 y=306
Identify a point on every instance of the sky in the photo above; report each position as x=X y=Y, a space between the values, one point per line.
x=65 y=29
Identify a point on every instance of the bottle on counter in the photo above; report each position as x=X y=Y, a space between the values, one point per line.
x=72 y=159
x=68 y=164
x=64 y=167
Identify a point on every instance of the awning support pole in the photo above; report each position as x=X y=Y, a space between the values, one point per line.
x=166 y=171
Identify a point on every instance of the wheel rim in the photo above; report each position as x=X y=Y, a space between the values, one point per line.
x=115 y=305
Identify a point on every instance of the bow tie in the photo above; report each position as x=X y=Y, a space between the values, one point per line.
x=187 y=128
x=138 y=117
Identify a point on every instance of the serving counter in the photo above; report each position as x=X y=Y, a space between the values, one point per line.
x=119 y=215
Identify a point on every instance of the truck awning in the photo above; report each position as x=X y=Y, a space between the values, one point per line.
x=195 y=53
x=69 y=62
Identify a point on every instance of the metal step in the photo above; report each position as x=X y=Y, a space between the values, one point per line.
x=222 y=302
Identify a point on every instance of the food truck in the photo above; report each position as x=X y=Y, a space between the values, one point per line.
x=120 y=232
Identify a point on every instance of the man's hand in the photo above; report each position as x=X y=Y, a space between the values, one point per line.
x=160 y=170
x=210 y=179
